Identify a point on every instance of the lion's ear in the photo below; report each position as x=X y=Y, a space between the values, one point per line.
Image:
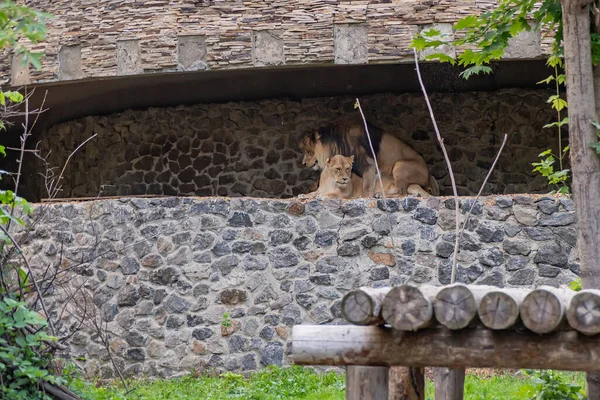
x=317 y=135
x=328 y=161
x=352 y=159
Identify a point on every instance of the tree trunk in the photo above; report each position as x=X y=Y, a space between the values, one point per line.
x=585 y=163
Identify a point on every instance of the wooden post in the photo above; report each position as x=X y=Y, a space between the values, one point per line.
x=366 y=383
x=407 y=383
x=585 y=163
x=449 y=383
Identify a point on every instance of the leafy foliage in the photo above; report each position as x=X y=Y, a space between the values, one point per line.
x=550 y=385
x=18 y=22
x=22 y=361
x=596 y=145
x=575 y=285
x=226 y=321
x=486 y=37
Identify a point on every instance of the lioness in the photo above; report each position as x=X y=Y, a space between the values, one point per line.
x=396 y=158
x=338 y=181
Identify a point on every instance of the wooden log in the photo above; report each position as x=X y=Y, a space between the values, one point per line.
x=499 y=309
x=583 y=312
x=449 y=384
x=409 y=308
x=440 y=347
x=366 y=383
x=543 y=309
x=406 y=383
x=363 y=306
x=456 y=305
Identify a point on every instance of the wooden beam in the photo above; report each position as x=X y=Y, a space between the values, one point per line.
x=441 y=347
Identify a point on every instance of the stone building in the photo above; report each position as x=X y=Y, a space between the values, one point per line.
x=208 y=98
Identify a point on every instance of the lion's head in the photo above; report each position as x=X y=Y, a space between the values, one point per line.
x=339 y=169
x=315 y=152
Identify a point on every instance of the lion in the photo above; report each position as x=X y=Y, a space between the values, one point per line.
x=338 y=181
x=395 y=158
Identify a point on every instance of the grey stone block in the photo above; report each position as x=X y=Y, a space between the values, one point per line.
x=446 y=34
x=350 y=44
x=525 y=45
x=191 y=53
x=19 y=73
x=69 y=63
x=267 y=48
x=129 y=57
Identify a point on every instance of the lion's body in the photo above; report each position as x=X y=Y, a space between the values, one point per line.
x=395 y=158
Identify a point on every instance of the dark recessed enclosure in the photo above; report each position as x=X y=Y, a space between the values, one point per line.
x=235 y=133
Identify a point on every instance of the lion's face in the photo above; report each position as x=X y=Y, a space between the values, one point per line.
x=310 y=157
x=340 y=168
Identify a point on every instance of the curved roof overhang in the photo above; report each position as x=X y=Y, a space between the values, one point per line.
x=67 y=100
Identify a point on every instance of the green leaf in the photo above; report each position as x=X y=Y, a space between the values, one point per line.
x=547 y=80
x=3 y=150
x=419 y=43
x=475 y=70
x=558 y=124
x=557 y=103
x=467 y=22
x=431 y=33
x=441 y=57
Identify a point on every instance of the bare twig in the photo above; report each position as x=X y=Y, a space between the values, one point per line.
x=482 y=186
x=378 y=175
x=56 y=187
x=447 y=159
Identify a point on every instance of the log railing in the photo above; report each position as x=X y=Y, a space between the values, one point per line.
x=455 y=326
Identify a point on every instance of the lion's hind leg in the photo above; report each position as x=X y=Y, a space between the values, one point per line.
x=407 y=173
x=417 y=190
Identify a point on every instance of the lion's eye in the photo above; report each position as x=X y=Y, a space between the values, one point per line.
x=338 y=169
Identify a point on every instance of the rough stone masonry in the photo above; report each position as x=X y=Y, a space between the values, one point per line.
x=251 y=148
x=164 y=272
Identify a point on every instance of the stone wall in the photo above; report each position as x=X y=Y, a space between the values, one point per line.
x=251 y=148
x=163 y=272
x=107 y=38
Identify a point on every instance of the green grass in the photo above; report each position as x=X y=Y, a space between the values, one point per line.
x=295 y=383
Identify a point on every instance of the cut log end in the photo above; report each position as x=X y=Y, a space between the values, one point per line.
x=455 y=306
x=498 y=310
x=583 y=313
x=357 y=307
x=407 y=308
x=542 y=311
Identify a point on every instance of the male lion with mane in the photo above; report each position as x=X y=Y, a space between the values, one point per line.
x=395 y=158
